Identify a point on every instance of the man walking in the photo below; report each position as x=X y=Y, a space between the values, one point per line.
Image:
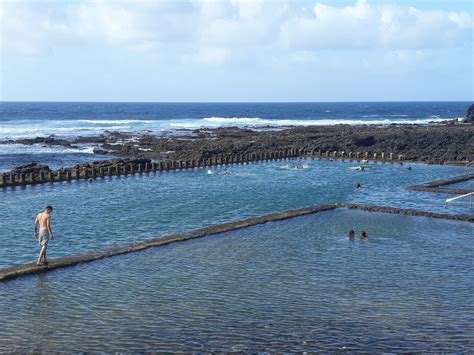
x=43 y=219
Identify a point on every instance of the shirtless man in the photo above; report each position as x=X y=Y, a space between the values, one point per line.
x=45 y=233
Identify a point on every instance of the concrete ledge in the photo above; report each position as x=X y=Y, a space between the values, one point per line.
x=31 y=268
x=434 y=186
x=141 y=166
x=406 y=212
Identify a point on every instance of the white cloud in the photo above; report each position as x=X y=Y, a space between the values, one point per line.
x=212 y=30
x=368 y=26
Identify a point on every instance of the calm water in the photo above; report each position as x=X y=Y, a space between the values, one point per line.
x=296 y=285
x=119 y=211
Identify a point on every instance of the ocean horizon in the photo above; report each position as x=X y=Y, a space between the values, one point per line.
x=70 y=119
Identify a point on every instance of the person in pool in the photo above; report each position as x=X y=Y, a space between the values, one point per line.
x=351 y=235
x=358 y=186
x=363 y=235
x=43 y=219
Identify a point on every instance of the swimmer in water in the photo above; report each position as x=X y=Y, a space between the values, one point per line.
x=351 y=235
x=359 y=186
x=409 y=168
x=363 y=235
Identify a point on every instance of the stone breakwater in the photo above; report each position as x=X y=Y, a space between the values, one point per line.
x=439 y=186
x=32 y=268
x=33 y=174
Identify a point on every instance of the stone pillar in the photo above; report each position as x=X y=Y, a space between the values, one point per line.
x=3 y=180
x=22 y=178
x=153 y=166
x=49 y=176
x=101 y=172
x=357 y=155
x=375 y=156
x=147 y=167
x=31 y=177
x=12 y=179
x=41 y=175
x=400 y=157
x=161 y=166
x=382 y=156
x=366 y=155
x=350 y=155
x=391 y=156
x=86 y=173
x=93 y=175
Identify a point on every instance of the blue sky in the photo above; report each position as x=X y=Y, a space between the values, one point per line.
x=236 y=50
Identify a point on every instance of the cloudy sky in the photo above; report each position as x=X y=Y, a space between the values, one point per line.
x=236 y=50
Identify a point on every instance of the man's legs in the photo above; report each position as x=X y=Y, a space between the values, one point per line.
x=41 y=255
x=44 y=246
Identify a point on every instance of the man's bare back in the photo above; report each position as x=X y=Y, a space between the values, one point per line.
x=43 y=220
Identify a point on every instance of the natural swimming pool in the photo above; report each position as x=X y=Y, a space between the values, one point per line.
x=119 y=211
x=294 y=285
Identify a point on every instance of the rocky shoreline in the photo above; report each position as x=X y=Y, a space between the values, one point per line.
x=442 y=144
x=438 y=144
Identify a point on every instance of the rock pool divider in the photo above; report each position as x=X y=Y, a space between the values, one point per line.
x=32 y=268
x=435 y=186
x=140 y=166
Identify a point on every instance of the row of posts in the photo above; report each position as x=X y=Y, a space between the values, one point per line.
x=13 y=179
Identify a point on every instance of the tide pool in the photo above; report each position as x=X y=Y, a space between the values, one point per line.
x=121 y=210
x=289 y=286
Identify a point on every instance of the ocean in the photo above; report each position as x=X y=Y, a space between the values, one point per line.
x=68 y=119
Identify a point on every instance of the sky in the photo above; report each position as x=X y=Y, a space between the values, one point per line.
x=236 y=50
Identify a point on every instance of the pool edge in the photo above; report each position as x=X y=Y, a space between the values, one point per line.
x=31 y=268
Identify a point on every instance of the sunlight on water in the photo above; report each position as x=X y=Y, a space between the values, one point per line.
x=295 y=285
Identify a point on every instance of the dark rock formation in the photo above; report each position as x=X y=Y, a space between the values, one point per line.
x=437 y=144
x=30 y=168
x=470 y=114
x=364 y=142
x=431 y=144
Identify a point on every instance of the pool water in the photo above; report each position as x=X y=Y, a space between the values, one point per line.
x=294 y=285
x=121 y=210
